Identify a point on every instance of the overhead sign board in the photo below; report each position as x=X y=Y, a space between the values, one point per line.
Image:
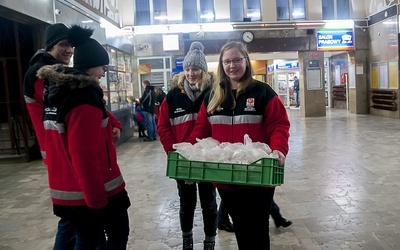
x=335 y=39
x=287 y=65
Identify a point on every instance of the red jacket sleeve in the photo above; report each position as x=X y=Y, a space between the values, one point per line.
x=114 y=122
x=164 y=128
x=202 y=128
x=35 y=108
x=277 y=125
x=84 y=145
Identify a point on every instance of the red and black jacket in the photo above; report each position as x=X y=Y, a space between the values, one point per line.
x=258 y=112
x=81 y=156
x=33 y=94
x=178 y=114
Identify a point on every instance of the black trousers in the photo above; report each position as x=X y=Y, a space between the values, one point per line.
x=188 y=201
x=249 y=209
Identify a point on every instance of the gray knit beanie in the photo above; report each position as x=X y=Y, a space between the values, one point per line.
x=195 y=57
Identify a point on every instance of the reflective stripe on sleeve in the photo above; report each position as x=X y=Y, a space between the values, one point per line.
x=183 y=119
x=111 y=185
x=69 y=195
x=29 y=99
x=104 y=123
x=43 y=153
x=53 y=125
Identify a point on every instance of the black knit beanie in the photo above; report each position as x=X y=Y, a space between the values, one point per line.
x=88 y=52
x=55 y=33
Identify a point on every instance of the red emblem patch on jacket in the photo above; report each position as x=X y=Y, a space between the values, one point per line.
x=250 y=104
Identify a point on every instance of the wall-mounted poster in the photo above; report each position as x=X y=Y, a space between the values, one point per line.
x=144 y=69
x=374 y=76
x=352 y=76
x=383 y=75
x=314 y=78
x=393 y=76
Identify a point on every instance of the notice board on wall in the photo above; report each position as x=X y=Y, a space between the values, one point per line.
x=314 y=79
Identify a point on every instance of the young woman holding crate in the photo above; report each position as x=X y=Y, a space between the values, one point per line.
x=175 y=123
x=239 y=105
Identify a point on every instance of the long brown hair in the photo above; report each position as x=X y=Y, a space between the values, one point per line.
x=219 y=93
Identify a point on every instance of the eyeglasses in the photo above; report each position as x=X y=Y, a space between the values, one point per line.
x=105 y=68
x=234 y=61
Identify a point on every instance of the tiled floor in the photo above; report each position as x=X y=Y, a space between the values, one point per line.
x=342 y=191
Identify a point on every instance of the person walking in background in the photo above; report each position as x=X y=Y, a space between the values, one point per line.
x=86 y=185
x=177 y=119
x=160 y=95
x=296 y=88
x=238 y=105
x=147 y=102
x=138 y=117
x=277 y=217
x=224 y=223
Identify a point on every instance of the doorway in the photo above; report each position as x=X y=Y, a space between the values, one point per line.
x=284 y=84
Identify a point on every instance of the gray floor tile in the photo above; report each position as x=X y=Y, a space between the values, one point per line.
x=342 y=190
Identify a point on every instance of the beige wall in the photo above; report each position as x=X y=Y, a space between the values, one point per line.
x=268 y=11
x=314 y=10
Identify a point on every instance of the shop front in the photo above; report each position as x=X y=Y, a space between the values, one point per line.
x=283 y=85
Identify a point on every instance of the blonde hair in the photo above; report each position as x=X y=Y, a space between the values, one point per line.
x=201 y=83
x=220 y=91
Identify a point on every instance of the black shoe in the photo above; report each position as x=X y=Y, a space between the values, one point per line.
x=209 y=245
x=187 y=243
x=283 y=223
x=147 y=139
x=227 y=227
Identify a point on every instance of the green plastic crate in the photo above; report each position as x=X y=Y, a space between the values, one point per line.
x=264 y=172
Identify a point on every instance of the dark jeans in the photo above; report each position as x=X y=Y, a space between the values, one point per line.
x=275 y=213
x=89 y=231
x=188 y=200
x=297 y=98
x=65 y=237
x=91 y=225
x=151 y=125
x=249 y=209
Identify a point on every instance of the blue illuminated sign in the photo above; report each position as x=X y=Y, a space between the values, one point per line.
x=335 y=39
x=287 y=65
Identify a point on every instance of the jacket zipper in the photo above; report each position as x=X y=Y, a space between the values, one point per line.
x=108 y=157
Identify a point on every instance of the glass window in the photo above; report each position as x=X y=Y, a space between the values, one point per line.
x=343 y=9
x=142 y=12
x=207 y=13
x=282 y=9
x=189 y=11
x=237 y=9
x=335 y=9
x=299 y=10
x=328 y=10
x=156 y=63
x=167 y=63
x=160 y=11
x=254 y=10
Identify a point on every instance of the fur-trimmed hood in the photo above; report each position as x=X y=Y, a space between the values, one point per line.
x=63 y=82
x=61 y=75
